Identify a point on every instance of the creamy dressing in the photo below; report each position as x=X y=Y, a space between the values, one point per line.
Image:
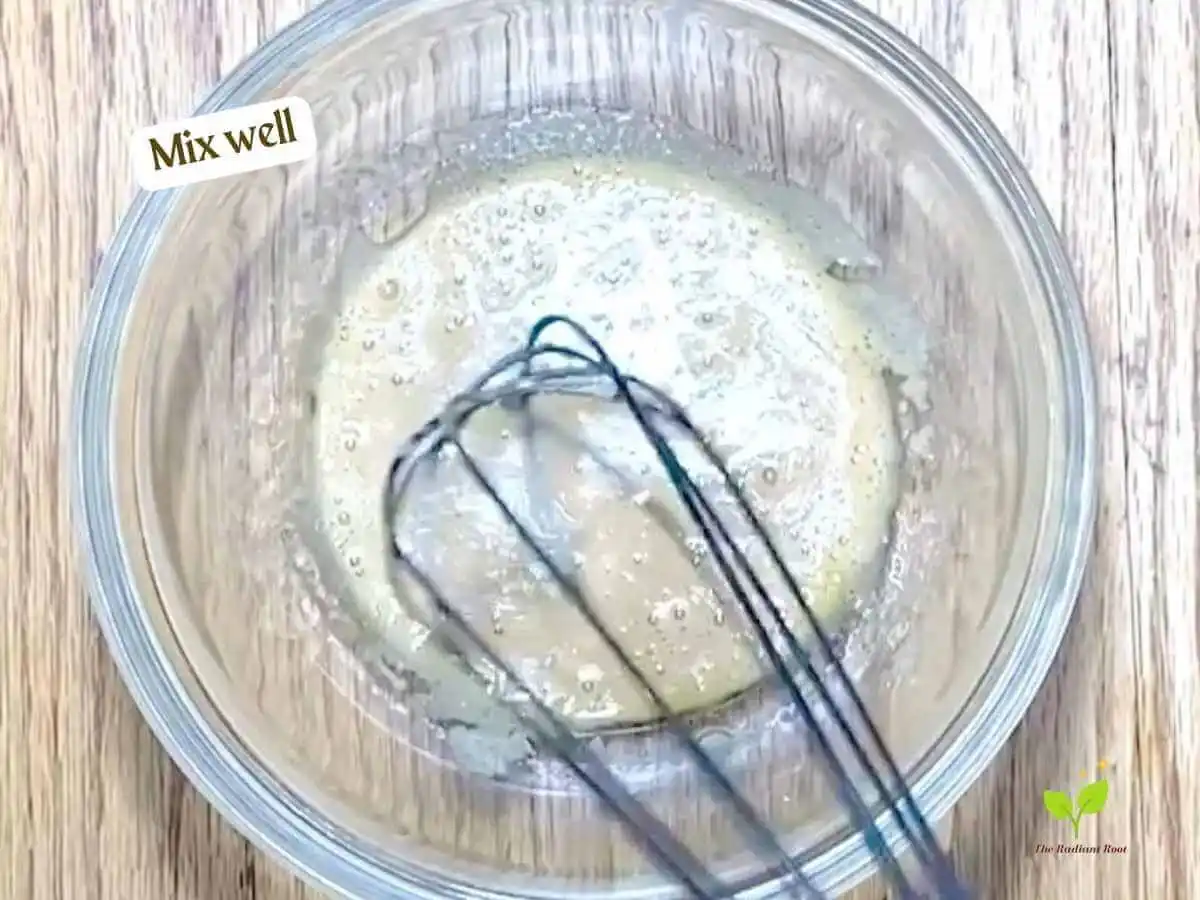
x=691 y=288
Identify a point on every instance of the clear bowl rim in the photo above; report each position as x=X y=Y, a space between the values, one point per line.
x=235 y=785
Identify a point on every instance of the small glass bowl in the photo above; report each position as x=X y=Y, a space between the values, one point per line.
x=190 y=448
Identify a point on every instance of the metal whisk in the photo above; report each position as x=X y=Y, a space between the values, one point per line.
x=543 y=367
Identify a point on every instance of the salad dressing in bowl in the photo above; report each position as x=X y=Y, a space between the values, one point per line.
x=689 y=286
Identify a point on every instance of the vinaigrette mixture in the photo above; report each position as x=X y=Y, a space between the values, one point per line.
x=689 y=286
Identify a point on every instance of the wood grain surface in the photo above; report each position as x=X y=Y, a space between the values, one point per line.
x=1101 y=101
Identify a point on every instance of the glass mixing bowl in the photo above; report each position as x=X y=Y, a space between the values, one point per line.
x=193 y=468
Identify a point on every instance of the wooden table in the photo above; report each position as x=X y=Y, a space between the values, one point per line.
x=1102 y=100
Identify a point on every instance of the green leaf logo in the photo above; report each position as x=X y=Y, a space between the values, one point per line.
x=1092 y=797
x=1091 y=800
x=1059 y=805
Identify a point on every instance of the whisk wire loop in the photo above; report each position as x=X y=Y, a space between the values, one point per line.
x=761 y=836
x=596 y=375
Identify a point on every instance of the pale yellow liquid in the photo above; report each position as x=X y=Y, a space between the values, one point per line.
x=689 y=287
